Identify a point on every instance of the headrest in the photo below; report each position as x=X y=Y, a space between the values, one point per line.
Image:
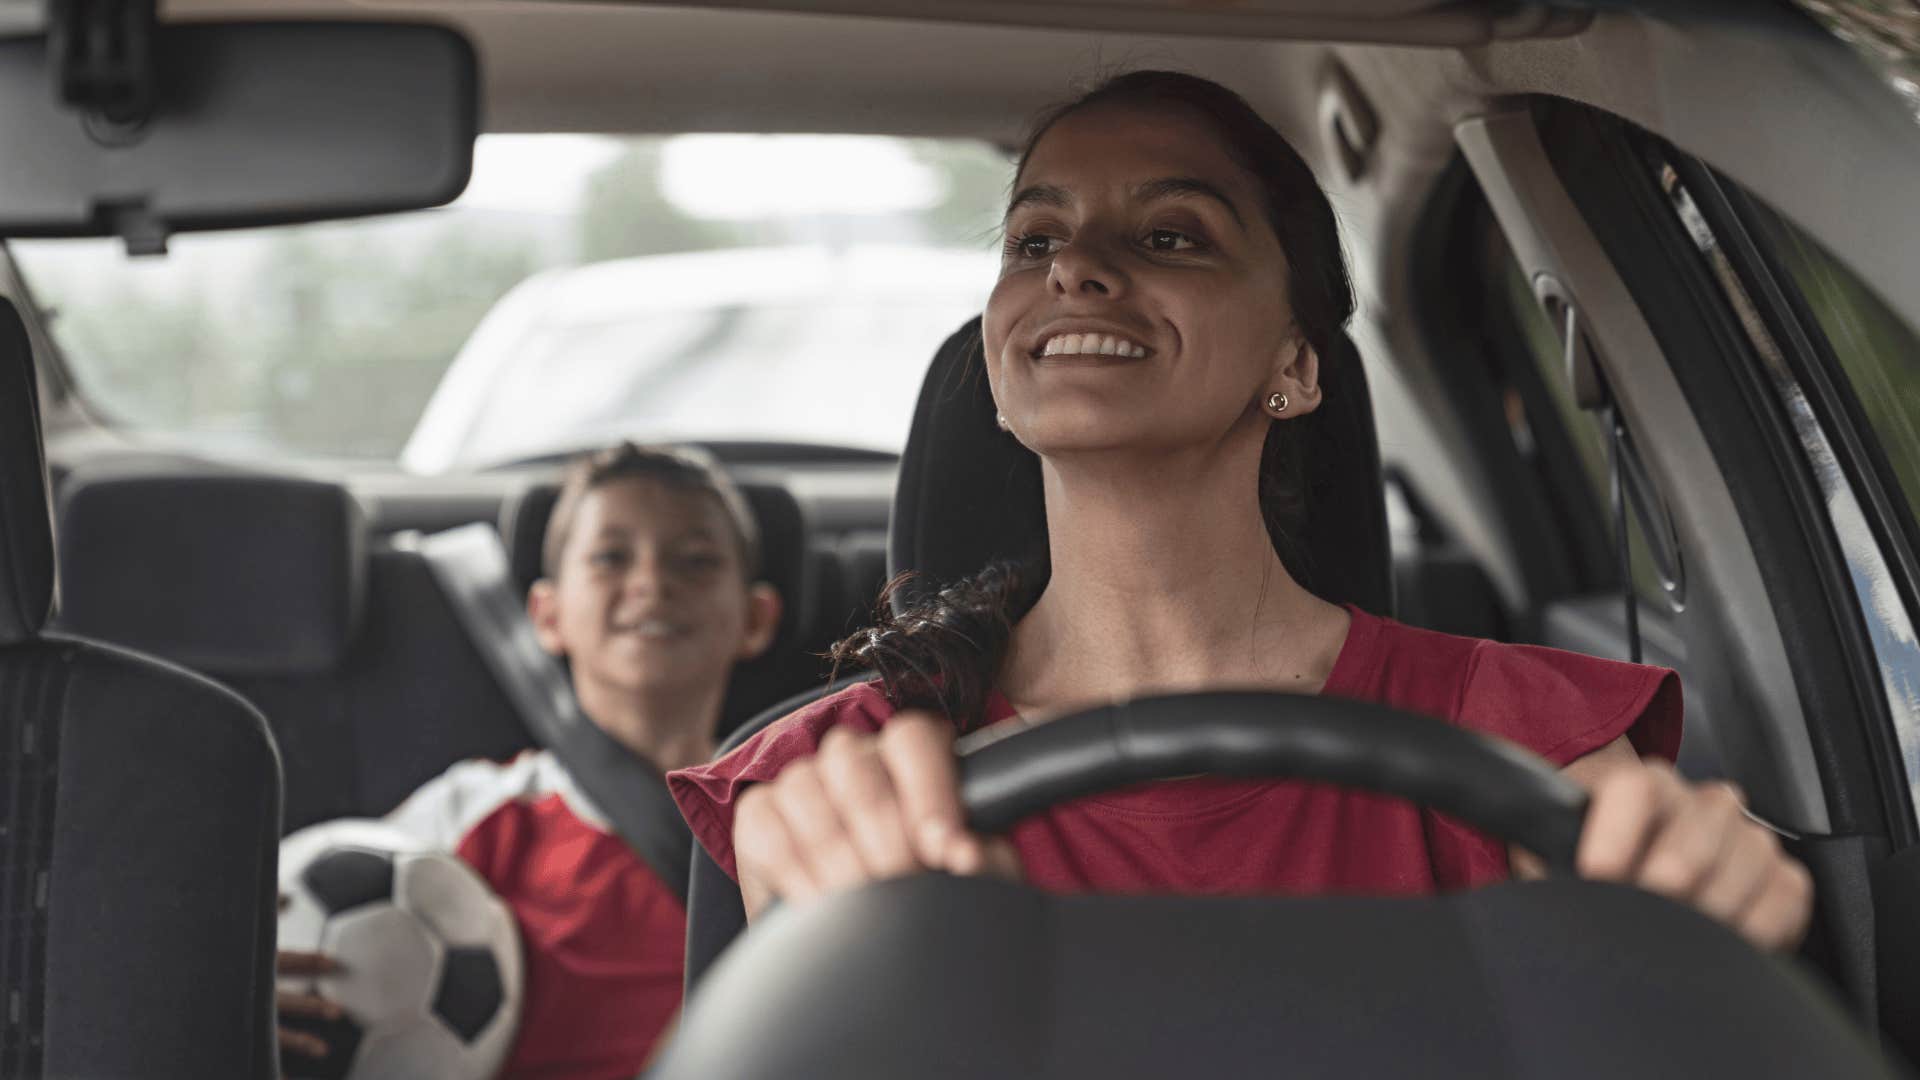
x=783 y=538
x=969 y=494
x=229 y=573
x=26 y=529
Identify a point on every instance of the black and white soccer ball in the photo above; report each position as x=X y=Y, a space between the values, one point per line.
x=431 y=981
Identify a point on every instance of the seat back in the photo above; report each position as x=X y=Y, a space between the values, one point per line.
x=137 y=891
x=268 y=583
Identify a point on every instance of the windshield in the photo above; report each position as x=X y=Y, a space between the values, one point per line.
x=584 y=288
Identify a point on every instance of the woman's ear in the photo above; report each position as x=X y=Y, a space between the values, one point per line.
x=763 y=619
x=543 y=608
x=1293 y=388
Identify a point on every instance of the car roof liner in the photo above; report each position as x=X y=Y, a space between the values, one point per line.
x=1406 y=22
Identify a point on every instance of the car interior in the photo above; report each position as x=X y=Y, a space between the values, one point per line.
x=1638 y=375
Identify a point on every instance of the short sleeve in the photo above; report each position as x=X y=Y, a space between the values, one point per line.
x=707 y=794
x=1565 y=705
x=1562 y=706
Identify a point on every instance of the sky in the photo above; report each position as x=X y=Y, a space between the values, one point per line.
x=710 y=176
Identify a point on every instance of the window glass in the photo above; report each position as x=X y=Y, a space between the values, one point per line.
x=757 y=287
x=1879 y=353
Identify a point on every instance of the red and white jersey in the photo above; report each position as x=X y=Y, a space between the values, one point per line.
x=604 y=936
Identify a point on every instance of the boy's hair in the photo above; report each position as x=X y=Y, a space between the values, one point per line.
x=681 y=468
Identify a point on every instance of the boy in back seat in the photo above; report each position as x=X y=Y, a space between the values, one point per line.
x=650 y=592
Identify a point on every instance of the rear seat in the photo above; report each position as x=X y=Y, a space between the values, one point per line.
x=266 y=583
x=270 y=584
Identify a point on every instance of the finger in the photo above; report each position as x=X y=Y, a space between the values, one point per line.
x=290 y=1003
x=299 y=1042
x=856 y=780
x=917 y=748
x=297 y=962
x=1693 y=842
x=1751 y=856
x=1778 y=919
x=765 y=853
x=1627 y=807
x=820 y=837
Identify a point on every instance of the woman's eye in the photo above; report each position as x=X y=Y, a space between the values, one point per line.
x=1170 y=240
x=1031 y=246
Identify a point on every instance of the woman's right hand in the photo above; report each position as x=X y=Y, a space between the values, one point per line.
x=863 y=808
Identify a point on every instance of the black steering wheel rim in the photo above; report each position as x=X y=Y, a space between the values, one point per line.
x=1492 y=785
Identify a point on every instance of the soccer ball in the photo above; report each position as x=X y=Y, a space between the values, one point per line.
x=431 y=978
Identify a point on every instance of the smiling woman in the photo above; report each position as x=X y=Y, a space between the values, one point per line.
x=330 y=340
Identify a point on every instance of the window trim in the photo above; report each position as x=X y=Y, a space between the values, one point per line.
x=1603 y=162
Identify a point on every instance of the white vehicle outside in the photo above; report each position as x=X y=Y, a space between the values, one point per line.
x=790 y=344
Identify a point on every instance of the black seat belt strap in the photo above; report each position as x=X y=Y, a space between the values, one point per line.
x=471 y=567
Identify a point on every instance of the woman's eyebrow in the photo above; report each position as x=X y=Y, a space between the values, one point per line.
x=1175 y=187
x=1041 y=195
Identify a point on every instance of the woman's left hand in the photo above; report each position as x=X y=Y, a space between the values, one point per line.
x=1693 y=843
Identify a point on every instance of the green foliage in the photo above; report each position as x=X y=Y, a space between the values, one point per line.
x=625 y=212
x=329 y=339
x=977 y=187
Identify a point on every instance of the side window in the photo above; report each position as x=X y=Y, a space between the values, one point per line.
x=1879 y=353
x=1844 y=372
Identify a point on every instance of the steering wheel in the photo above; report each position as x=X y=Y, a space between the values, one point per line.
x=934 y=976
x=1494 y=786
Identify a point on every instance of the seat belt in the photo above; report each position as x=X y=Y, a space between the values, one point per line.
x=470 y=563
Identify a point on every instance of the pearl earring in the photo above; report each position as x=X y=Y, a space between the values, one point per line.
x=1001 y=419
x=1277 y=401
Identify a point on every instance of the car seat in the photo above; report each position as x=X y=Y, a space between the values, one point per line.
x=141 y=810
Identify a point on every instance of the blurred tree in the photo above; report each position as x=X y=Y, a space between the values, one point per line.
x=977 y=180
x=625 y=212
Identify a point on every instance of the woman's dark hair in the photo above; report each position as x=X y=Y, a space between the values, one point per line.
x=944 y=651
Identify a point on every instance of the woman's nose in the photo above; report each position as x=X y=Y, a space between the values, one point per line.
x=1086 y=269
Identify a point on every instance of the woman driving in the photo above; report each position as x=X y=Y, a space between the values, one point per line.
x=1171 y=286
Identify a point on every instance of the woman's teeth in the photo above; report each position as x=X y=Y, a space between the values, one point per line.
x=1092 y=345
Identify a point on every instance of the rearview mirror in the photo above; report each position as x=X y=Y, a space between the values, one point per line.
x=248 y=124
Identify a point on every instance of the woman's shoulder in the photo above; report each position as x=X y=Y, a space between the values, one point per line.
x=1560 y=704
x=706 y=793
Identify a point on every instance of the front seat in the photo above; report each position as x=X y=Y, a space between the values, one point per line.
x=968 y=495
x=141 y=811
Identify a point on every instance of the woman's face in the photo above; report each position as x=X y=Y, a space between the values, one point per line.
x=1142 y=293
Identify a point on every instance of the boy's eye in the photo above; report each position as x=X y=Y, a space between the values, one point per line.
x=699 y=562
x=608 y=558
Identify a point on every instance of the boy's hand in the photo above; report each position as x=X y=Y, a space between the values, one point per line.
x=288 y=1003
x=863 y=808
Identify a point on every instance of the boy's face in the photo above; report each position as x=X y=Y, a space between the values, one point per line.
x=650 y=593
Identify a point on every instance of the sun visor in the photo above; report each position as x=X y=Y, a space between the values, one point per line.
x=228 y=573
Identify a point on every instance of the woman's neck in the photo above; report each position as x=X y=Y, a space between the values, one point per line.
x=671 y=728
x=1163 y=579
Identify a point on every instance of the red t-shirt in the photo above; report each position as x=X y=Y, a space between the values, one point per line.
x=603 y=938
x=1227 y=835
